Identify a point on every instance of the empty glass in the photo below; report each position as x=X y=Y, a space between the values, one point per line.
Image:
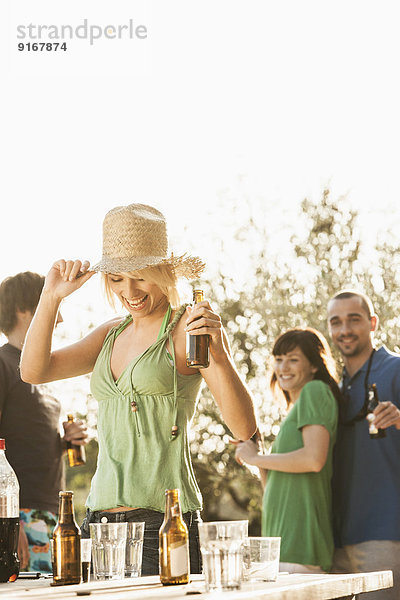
x=134 y=549
x=221 y=544
x=108 y=550
x=261 y=558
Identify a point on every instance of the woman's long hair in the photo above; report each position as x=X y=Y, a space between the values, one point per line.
x=315 y=348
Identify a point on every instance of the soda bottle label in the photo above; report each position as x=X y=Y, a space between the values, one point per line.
x=9 y=506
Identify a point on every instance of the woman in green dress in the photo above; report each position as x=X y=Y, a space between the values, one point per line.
x=297 y=499
x=146 y=394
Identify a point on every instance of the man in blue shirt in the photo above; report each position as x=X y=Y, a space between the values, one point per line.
x=366 y=480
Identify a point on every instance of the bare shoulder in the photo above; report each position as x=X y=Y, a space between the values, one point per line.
x=179 y=337
x=114 y=322
x=90 y=345
x=179 y=329
x=101 y=331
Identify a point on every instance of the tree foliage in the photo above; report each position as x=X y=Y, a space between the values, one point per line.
x=325 y=255
x=283 y=289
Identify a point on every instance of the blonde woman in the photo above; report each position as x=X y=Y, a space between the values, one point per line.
x=146 y=394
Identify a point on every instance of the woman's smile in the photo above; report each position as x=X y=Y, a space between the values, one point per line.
x=293 y=370
x=136 y=304
x=139 y=297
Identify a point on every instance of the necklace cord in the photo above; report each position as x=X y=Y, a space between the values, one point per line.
x=362 y=413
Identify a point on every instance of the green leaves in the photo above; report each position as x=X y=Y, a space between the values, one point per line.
x=284 y=287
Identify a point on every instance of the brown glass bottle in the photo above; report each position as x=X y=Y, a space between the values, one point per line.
x=66 y=544
x=373 y=401
x=197 y=346
x=174 y=543
x=76 y=454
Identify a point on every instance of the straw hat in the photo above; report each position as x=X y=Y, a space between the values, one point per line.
x=135 y=237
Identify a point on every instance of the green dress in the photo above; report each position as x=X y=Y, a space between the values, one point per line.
x=297 y=506
x=139 y=458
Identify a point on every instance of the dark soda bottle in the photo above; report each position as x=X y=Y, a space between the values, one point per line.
x=9 y=519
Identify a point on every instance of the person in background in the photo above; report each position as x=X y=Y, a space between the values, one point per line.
x=146 y=393
x=366 y=481
x=297 y=503
x=29 y=422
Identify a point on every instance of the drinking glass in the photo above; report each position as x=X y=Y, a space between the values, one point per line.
x=261 y=558
x=108 y=550
x=221 y=544
x=86 y=553
x=134 y=549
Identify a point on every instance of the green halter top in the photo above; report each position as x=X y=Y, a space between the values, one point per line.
x=139 y=457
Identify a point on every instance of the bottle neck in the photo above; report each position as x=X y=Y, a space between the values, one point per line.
x=3 y=457
x=198 y=296
x=66 y=510
x=172 y=505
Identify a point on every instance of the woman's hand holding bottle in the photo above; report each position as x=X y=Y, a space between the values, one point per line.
x=203 y=320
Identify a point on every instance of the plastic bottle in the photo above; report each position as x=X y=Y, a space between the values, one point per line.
x=9 y=519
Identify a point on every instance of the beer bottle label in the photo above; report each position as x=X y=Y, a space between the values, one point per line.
x=178 y=560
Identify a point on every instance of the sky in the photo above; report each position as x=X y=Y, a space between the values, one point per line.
x=259 y=100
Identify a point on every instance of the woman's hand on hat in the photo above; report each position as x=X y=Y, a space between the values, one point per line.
x=66 y=276
x=203 y=320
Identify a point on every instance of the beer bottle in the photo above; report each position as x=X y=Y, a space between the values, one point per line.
x=76 y=453
x=197 y=346
x=174 y=543
x=66 y=544
x=373 y=401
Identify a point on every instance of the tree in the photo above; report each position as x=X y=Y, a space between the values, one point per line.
x=282 y=290
x=281 y=293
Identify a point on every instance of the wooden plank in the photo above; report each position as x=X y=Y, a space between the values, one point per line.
x=287 y=587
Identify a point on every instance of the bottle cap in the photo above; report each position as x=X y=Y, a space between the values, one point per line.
x=2 y=444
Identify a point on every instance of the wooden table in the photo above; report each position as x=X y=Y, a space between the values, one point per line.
x=287 y=587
